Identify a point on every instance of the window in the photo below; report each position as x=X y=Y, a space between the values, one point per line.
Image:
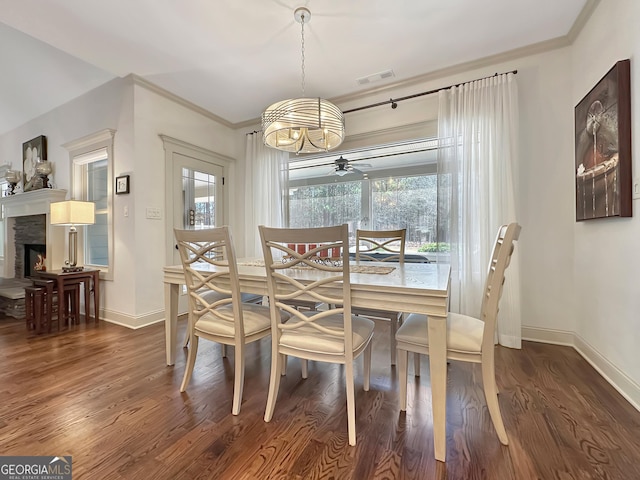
x=92 y=160
x=379 y=188
x=97 y=235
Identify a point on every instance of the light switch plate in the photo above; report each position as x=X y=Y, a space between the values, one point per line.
x=636 y=188
x=154 y=213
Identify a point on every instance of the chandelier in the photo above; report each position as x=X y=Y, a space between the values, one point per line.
x=303 y=125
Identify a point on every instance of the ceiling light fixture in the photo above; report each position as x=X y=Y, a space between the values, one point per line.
x=342 y=170
x=303 y=125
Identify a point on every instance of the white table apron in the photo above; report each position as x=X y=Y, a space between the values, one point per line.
x=412 y=287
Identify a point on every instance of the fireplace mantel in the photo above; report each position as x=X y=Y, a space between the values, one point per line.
x=35 y=202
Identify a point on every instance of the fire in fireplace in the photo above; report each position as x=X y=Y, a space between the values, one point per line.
x=34 y=259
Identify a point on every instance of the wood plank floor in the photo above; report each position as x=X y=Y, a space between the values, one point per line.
x=105 y=396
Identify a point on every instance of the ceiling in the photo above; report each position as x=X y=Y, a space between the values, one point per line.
x=234 y=58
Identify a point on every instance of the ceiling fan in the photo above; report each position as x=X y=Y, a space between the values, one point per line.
x=342 y=166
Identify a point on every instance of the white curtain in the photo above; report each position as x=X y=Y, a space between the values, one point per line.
x=266 y=177
x=477 y=157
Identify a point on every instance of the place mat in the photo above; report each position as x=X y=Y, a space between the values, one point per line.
x=373 y=269
x=377 y=269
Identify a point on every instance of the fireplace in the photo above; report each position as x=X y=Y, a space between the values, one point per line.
x=29 y=236
x=26 y=221
x=34 y=259
x=26 y=217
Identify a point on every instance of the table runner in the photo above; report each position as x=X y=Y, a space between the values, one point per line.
x=373 y=269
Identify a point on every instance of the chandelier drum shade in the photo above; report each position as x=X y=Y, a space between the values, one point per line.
x=303 y=125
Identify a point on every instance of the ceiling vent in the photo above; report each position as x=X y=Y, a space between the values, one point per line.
x=376 y=77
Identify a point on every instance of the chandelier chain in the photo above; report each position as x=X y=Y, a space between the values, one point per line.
x=302 y=50
x=303 y=125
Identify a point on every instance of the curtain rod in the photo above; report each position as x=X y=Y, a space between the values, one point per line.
x=394 y=101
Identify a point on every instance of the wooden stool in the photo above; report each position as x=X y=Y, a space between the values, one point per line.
x=72 y=304
x=34 y=301
x=48 y=312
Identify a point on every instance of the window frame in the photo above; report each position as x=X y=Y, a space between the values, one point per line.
x=81 y=153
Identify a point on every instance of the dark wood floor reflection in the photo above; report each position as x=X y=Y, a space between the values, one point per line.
x=105 y=396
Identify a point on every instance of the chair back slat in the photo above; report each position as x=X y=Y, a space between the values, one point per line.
x=372 y=242
x=209 y=264
x=500 y=259
x=286 y=268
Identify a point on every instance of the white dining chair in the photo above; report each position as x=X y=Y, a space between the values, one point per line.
x=382 y=246
x=332 y=335
x=469 y=339
x=211 y=274
x=210 y=297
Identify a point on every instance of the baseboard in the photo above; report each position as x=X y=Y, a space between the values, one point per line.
x=619 y=380
x=625 y=385
x=547 y=335
x=130 y=321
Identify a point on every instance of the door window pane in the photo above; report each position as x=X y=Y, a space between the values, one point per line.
x=199 y=192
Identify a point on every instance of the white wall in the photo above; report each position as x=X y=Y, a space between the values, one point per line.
x=606 y=258
x=154 y=115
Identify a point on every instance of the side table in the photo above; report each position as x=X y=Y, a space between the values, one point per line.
x=89 y=277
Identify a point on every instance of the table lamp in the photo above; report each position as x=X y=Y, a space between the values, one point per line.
x=71 y=213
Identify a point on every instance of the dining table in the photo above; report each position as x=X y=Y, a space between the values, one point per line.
x=404 y=287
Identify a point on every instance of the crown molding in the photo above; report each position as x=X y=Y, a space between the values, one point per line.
x=581 y=21
x=533 y=49
x=141 y=82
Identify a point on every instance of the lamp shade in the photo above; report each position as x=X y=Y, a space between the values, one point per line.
x=303 y=125
x=73 y=212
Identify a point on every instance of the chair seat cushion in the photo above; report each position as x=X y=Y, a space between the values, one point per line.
x=310 y=339
x=464 y=333
x=256 y=319
x=212 y=296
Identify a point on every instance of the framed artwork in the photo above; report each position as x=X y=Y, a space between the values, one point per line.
x=33 y=152
x=603 y=147
x=122 y=184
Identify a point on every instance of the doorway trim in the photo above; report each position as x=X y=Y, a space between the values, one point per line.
x=174 y=146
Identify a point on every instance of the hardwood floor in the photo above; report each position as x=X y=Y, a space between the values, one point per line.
x=105 y=396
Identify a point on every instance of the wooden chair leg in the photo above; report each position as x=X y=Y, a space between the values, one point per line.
x=191 y=360
x=351 y=403
x=274 y=384
x=402 y=363
x=491 y=396
x=238 y=384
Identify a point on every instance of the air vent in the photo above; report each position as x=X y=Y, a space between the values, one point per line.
x=376 y=77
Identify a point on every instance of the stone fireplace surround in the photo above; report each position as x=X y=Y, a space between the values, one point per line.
x=28 y=204
x=26 y=219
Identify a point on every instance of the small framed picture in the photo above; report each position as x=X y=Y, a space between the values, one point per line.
x=122 y=184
